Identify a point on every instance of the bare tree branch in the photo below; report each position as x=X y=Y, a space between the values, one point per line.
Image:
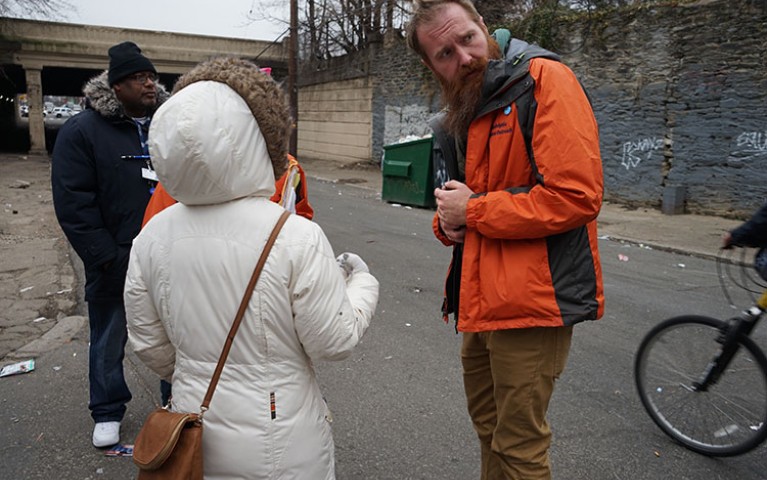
x=36 y=9
x=329 y=28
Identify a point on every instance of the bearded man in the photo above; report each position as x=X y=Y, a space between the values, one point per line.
x=521 y=193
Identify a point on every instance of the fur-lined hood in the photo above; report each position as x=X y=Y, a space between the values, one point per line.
x=266 y=100
x=223 y=134
x=101 y=98
x=207 y=149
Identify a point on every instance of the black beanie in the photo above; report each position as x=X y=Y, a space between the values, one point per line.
x=125 y=59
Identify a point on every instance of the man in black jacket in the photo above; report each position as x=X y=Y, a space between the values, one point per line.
x=102 y=180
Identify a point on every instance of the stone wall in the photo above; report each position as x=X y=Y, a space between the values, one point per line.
x=406 y=95
x=401 y=93
x=680 y=93
x=680 y=96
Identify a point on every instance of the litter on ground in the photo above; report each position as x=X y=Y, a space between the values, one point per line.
x=16 y=368
x=120 y=450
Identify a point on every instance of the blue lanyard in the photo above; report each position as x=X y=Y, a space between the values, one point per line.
x=142 y=137
x=145 y=149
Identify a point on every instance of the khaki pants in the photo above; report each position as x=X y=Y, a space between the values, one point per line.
x=509 y=377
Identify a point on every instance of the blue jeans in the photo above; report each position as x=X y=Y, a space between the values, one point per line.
x=109 y=392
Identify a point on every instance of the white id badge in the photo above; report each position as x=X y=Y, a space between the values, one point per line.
x=149 y=174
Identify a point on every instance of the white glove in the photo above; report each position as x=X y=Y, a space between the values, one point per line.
x=351 y=263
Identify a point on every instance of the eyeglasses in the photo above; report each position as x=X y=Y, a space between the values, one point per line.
x=142 y=77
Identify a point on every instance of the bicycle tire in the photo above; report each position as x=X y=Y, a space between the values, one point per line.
x=730 y=417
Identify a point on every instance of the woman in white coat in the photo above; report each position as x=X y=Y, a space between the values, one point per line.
x=217 y=145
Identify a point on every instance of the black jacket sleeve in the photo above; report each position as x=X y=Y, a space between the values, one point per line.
x=74 y=183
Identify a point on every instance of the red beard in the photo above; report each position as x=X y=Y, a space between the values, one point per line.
x=461 y=96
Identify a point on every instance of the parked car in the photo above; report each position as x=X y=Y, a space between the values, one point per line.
x=62 y=112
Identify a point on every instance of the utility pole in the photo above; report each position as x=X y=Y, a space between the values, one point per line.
x=292 y=74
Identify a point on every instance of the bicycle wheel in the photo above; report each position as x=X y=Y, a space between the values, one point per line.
x=726 y=419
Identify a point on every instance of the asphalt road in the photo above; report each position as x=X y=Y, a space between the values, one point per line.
x=398 y=402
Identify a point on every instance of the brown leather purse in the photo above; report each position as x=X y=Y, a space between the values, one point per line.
x=169 y=445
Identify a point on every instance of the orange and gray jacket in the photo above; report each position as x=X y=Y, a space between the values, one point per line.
x=530 y=255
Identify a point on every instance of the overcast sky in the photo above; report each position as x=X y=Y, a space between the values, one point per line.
x=223 y=18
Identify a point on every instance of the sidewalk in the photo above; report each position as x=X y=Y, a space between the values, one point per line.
x=688 y=234
x=38 y=287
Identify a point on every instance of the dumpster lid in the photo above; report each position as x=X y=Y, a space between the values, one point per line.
x=409 y=140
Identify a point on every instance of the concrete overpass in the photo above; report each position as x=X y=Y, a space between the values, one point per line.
x=47 y=58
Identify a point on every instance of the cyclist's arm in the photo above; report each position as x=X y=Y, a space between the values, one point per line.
x=752 y=233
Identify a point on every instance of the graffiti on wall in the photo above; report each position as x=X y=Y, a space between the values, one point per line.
x=637 y=151
x=750 y=144
x=402 y=122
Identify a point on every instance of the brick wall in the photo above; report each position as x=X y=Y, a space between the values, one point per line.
x=334 y=120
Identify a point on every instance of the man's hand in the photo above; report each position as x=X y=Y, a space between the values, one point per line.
x=451 y=204
x=454 y=233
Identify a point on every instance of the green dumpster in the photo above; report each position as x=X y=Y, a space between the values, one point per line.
x=407 y=173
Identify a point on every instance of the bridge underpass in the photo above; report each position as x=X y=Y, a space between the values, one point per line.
x=46 y=59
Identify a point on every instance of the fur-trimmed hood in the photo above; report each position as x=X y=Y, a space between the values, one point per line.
x=222 y=135
x=101 y=98
x=266 y=100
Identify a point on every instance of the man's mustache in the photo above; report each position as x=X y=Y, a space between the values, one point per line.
x=473 y=67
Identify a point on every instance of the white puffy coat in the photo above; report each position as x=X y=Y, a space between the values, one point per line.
x=187 y=274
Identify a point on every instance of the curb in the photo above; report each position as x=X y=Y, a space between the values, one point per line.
x=61 y=333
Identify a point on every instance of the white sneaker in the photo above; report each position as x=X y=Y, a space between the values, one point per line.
x=106 y=434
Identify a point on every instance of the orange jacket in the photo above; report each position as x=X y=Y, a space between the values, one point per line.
x=290 y=190
x=296 y=200
x=530 y=253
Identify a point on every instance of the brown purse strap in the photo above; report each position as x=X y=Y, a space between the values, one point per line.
x=241 y=312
